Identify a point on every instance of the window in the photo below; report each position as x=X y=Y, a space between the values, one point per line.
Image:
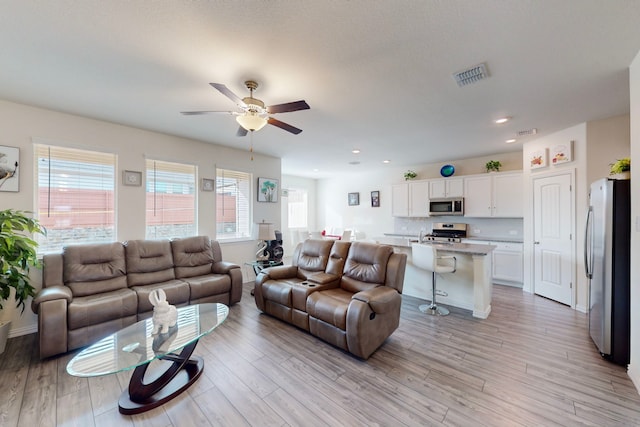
x=75 y=196
x=298 y=208
x=233 y=204
x=171 y=200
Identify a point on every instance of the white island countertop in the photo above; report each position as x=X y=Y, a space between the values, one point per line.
x=464 y=248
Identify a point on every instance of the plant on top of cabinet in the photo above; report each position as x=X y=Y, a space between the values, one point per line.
x=410 y=175
x=493 y=166
x=621 y=166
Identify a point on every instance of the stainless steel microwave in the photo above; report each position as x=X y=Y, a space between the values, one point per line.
x=449 y=206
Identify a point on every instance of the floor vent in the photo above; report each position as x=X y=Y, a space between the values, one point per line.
x=471 y=75
x=527 y=132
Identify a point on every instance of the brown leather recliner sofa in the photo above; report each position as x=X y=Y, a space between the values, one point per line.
x=347 y=294
x=91 y=291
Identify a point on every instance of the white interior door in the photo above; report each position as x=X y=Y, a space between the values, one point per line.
x=553 y=233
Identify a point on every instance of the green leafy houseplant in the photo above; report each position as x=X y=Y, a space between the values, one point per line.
x=621 y=165
x=493 y=165
x=17 y=255
x=409 y=175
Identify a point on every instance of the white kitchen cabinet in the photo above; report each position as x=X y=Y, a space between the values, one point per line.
x=448 y=187
x=507 y=261
x=410 y=199
x=493 y=195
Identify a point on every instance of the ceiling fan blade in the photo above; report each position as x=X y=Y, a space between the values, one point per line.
x=287 y=107
x=241 y=131
x=197 y=113
x=282 y=125
x=226 y=92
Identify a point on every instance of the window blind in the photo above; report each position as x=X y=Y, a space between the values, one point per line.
x=75 y=196
x=298 y=208
x=233 y=204
x=170 y=200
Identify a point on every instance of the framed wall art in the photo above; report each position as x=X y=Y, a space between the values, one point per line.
x=268 y=190
x=133 y=178
x=354 y=199
x=9 y=173
x=538 y=159
x=562 y=153
x=375 y=199
x=208 y=184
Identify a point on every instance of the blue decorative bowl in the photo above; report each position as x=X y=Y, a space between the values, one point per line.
x=447 y=170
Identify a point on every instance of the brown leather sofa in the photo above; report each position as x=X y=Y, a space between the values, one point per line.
x=91 y=291
x=347 y=294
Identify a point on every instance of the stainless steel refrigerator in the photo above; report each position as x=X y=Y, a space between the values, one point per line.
x=607 y=256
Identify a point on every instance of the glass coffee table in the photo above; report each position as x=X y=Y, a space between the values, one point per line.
x=135 y=347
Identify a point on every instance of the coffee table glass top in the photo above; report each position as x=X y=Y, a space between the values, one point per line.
x=134 y=345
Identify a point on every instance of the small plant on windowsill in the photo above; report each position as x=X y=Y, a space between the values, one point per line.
x=409 y=175
x=493 y=166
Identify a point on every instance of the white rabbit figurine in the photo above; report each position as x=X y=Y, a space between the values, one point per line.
x=164 y=315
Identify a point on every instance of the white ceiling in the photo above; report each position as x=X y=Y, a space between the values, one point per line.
x=376 y=73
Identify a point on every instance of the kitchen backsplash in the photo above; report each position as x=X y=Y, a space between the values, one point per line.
x=510 y=228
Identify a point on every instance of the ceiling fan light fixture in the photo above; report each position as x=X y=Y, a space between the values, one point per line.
x=251 y=121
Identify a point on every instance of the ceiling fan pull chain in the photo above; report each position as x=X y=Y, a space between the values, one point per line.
x=251 y=145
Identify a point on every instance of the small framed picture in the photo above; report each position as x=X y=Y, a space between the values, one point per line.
x=9 y=173
x=375 y=199
x=133 y=178
x=268 y=190
x=538 y=159
x=208 y=184
x=562 y=153
x=354 y=199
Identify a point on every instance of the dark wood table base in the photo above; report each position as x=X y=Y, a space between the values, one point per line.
x=183 y=371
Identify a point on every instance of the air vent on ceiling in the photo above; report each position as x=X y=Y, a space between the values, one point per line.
x=527 y=132
x=471 y=75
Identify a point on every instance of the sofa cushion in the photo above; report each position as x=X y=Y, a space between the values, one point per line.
x=148 y=261
x=177 y=293
x=94 y=269
x=206 y=286
x=330 y=306
x=102 y=307
x=366 y=266
x=192 y=256
x=313 y=257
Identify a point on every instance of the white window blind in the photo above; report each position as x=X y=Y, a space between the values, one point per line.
x=233 y=204
x=298 y=208
x=75 y=196
x=170 y=200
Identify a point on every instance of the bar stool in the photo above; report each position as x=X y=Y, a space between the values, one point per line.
x=425 y=257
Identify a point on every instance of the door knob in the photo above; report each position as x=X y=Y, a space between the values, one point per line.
x=536 y=243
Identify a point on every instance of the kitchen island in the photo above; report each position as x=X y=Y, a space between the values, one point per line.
x=469 y=287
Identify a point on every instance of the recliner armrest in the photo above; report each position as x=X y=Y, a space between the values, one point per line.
x=223 y=267
x=50 y=294
x=322 y=278
x=380 y=299
x=279 y=272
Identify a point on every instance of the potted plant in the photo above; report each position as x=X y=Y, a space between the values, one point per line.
x=621 y=169
x=493 y=166
x=410 y=175
x=17 y=255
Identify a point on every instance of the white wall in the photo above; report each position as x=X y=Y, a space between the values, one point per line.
x=21 y=124
x=634 y=83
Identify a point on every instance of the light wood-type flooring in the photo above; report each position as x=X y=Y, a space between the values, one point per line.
x=530 y=363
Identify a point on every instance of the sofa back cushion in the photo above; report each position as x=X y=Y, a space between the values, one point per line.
x=311 y=256
x=365 y=267
x=148 y=261
x=192 y=256
x=92 y=269
x=338 y=257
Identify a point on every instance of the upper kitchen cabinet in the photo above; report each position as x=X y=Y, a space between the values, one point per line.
x=410 y=199
x=493 y=195
x=448 y=187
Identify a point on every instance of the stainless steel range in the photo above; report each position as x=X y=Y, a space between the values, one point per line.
x=446 y=232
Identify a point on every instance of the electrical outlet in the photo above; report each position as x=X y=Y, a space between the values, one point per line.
x=476 y=231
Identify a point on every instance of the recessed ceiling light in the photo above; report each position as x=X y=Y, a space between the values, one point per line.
x=386 y=161
x=354 y=163
x=316 y=170
x=355 y=151
x=509 y=141
x=502 y=120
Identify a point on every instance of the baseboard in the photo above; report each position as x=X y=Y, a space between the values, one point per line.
x=634 y=374
x=25 y=330
x=581 y=309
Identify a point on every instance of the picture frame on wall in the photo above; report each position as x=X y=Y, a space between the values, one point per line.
x=375 y=199
x=354 y=199
x=132 y=178
x=268 y=190
x=538 y=159
x=208 y=184
x=562 y=153
x=9 y=173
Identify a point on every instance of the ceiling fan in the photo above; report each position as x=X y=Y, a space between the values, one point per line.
x=254 y=115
